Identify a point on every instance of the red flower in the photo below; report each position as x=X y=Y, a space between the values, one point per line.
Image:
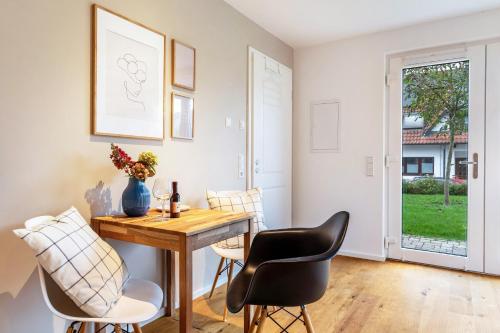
x=120 y=158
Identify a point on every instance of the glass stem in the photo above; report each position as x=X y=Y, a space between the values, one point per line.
x=163 y=208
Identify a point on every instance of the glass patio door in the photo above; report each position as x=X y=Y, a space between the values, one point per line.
x=435 y=158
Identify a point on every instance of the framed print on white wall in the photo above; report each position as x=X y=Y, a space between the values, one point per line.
x=182 y=121
x=129 y=78
x=183 y=65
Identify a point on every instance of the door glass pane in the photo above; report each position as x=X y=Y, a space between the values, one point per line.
x=434 y=205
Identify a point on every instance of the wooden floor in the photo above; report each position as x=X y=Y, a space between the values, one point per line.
x=367 y=296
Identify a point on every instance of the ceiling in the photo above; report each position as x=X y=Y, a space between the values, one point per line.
x=302 y=23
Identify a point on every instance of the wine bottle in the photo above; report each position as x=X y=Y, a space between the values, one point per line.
x=175 y=202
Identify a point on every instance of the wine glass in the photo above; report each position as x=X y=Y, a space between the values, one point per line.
x=162 y=190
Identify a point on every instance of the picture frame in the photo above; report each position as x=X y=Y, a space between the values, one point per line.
x=182 y=116
x=183 y=65
x=128 y=93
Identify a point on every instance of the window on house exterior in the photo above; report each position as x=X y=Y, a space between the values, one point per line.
x=418 y=166
x=460 y=169
x=412 y=121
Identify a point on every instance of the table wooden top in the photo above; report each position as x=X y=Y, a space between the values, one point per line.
x=191 y=222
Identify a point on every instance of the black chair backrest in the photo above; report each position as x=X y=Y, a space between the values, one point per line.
x=330 y=235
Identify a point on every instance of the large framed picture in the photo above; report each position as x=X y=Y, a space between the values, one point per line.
x=129 y=78
x=183 y=65
x=182 y=121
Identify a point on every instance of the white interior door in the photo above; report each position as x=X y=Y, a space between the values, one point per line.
x=270 y=136
x=473 y=259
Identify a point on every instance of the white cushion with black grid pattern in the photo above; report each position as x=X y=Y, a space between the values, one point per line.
x=238 y=201
x=82 y=264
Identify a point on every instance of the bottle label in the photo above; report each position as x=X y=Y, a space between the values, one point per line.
x=176 y=208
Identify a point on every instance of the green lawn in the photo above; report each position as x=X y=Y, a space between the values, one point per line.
x=425 y=215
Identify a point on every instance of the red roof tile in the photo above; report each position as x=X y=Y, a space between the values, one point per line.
x=417 y=137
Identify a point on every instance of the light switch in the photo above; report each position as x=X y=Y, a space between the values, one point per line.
x=241 y=165
x=369 y=166
x=228 y=122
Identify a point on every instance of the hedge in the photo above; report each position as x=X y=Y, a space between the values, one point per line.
x=431 y=185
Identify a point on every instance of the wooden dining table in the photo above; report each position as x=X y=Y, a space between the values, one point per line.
x=195 y=229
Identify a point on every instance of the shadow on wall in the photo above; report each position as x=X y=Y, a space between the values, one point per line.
x=29 y=303
x=100 y=201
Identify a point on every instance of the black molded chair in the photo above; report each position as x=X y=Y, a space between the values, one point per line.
x=287 y=268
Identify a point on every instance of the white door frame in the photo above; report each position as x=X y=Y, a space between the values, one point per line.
x=475 y=252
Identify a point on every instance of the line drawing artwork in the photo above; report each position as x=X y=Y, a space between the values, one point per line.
x=136 y=71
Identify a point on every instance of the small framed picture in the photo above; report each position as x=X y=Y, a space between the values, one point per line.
x=182 y=122
x=128 y=78
x=183 y=65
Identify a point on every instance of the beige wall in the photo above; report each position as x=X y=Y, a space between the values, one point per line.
x=49 y=161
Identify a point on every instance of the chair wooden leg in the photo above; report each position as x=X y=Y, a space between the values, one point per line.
x=221 y=263
x=97 y=327
x=82 y=328
x=255 y=318
x=137 y=328
x=118 y=328
x=262 y=320
x=229 y=278
x=307 y=320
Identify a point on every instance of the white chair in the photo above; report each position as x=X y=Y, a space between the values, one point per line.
x=141 y=301
x=234 y=256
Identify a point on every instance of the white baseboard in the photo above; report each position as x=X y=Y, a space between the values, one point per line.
x=361 y=255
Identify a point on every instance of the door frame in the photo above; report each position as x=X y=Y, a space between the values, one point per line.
x=393 y=149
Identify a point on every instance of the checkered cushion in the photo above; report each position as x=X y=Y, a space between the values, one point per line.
x=236 y=201
x=83 y=265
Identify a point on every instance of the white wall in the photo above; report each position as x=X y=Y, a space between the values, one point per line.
x=353 y=71
x=49 y=160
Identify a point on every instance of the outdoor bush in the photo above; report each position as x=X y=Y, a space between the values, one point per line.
x=431 y=185
x=405 y=184
x=426 y=186
x=458 y=189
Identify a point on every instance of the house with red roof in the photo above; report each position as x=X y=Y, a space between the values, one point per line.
x=425 y=150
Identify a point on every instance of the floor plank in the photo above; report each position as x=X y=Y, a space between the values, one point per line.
x=367 y=296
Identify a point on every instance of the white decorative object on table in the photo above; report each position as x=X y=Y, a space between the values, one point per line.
x=184 y=208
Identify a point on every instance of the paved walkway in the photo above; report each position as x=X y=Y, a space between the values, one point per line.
x=458 y=248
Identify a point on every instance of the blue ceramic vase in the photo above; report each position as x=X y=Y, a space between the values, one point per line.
x=136 y=198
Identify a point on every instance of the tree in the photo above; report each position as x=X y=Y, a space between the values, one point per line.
x=439 y=94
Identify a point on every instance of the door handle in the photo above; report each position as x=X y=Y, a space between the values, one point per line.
x=474 y=164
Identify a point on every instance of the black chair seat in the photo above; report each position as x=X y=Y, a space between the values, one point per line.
x=288 y=267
